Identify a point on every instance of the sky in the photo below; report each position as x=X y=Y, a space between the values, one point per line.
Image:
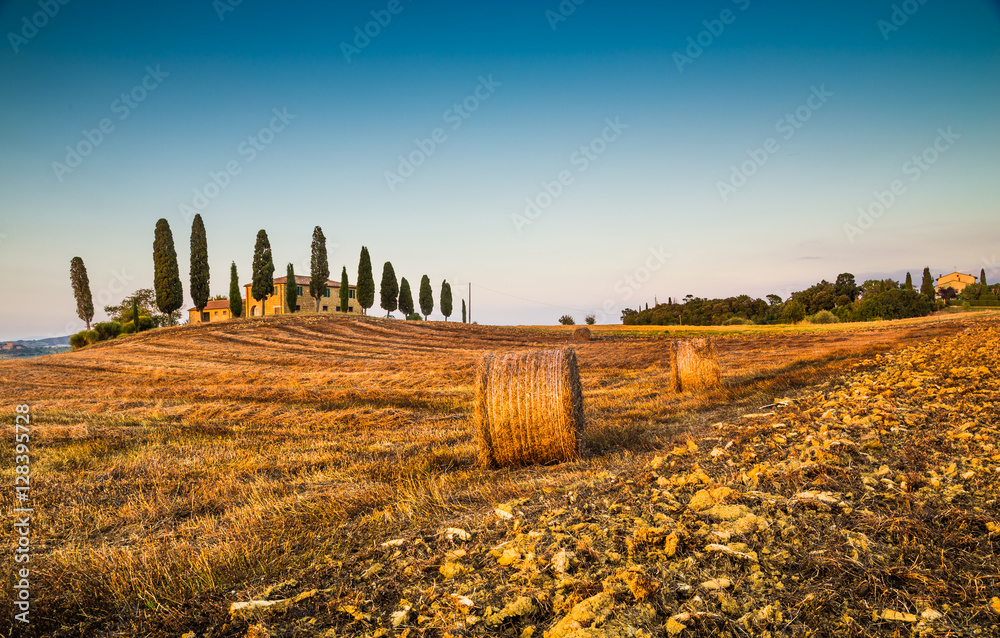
x=572 y=157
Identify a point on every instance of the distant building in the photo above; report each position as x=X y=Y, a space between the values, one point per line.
x=275 y=304
x=956 y=280
x=215 y=310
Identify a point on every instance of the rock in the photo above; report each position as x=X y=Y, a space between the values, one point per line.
x=717 y=583
x=456 y=532
x=562 y=561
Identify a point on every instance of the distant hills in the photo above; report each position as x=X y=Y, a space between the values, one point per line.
x=27 y=348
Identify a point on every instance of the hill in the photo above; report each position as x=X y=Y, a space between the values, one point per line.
x=185 y=469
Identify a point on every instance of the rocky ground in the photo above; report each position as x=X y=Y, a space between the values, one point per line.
x=866 y=507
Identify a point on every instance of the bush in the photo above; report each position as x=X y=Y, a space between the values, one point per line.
x=145 y=323
x=590 y=319
x=92 y=336
x=78 y=340
x=107 y=330
x=566 y=320
x=413 y=316
x=825 y=316
x=737 y=321
x=966 y=305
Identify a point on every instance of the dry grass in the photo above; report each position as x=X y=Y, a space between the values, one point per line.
x=173 y=467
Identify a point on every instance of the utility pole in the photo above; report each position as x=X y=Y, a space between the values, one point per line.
x=470 y=303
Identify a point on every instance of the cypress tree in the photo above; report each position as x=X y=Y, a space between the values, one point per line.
x=389 y=290
x=235 y=296
x=366 y=282
x=446 y=299
x=982 y=277
x=426 y=297
x=465 y=318
x=263 y=270
x=166 y=275
x=291 y=289
x=345 y=291
x=81 y=290
x=135 y=314
x=909 y=282
x=199 y=264
x=405 y=298
x=319 y=267
x=927 y=285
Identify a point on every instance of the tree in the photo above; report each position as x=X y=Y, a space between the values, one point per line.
x=81 y=290
x=909 y=282
x=405 y=298
x=199 y=264
x=426 y=297
x=366 y=282
x=446 y=305
x=263 y=271
x=389 y=290
x=567 y=320
x=166 y=275
x=846 y=285
x=319 y=267
x=927 y=285
x=291 y=289
x=145 y=299
x=135 y=313
x=345 y=291
x=465 y=317
x=948 y=293
x=590 y=319
x=235 y=296
x=774 y=300
x=982 y=277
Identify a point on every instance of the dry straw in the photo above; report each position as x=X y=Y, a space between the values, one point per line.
x=695 y=365
x=529 y=408
x=581 y=334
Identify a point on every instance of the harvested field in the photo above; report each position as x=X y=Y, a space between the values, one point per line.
x=179 y=471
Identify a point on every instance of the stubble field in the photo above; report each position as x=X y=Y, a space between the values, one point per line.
x=179 y=471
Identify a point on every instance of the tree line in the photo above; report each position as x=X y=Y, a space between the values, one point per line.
x=842 y=300
x=137 y=312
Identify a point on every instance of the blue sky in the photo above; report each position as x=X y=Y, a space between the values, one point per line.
x=744 y=137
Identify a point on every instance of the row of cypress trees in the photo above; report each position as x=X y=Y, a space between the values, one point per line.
x=170 y=295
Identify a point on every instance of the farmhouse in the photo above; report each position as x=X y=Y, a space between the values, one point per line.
x=956 y=280
x=215 y=310
x=275 y=304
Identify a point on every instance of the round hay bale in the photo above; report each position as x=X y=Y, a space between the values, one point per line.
x=582 y=333
x=695 y=365
x=529 y=408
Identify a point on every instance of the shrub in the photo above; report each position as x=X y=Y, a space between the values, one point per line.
x=78 y=340
x=413 y=316
x=591 y=319
x=107 y=330
x=825 y=316
x=566 y=320
x=737 y=321
x=92 y=336
x=966 y=305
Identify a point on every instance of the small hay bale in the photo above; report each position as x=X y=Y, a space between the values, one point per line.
x=529 y=408
x=695 y=365
x=582 y=333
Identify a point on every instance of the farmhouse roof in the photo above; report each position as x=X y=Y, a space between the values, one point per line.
x=216 y=304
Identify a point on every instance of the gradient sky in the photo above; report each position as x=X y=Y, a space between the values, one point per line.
x=644 y=220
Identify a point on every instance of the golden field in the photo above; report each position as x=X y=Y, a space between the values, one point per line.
x=179 y=471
